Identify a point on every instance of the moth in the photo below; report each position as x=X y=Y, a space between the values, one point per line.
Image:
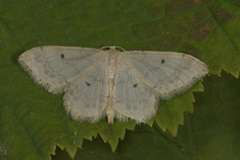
x=111 y=81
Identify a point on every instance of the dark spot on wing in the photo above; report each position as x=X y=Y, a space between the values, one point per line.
x=135 y=85
x=163 y=61
x=62 y=55
x=88 y=84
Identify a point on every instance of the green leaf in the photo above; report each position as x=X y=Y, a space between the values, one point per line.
x=33 y=122
x=170 y=113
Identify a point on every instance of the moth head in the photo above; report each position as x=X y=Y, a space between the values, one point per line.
x=113 y=48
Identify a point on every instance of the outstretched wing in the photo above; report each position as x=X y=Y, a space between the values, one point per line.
x=132 y=98
x=168 y=73
x=86 y=98
x=54 y=67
